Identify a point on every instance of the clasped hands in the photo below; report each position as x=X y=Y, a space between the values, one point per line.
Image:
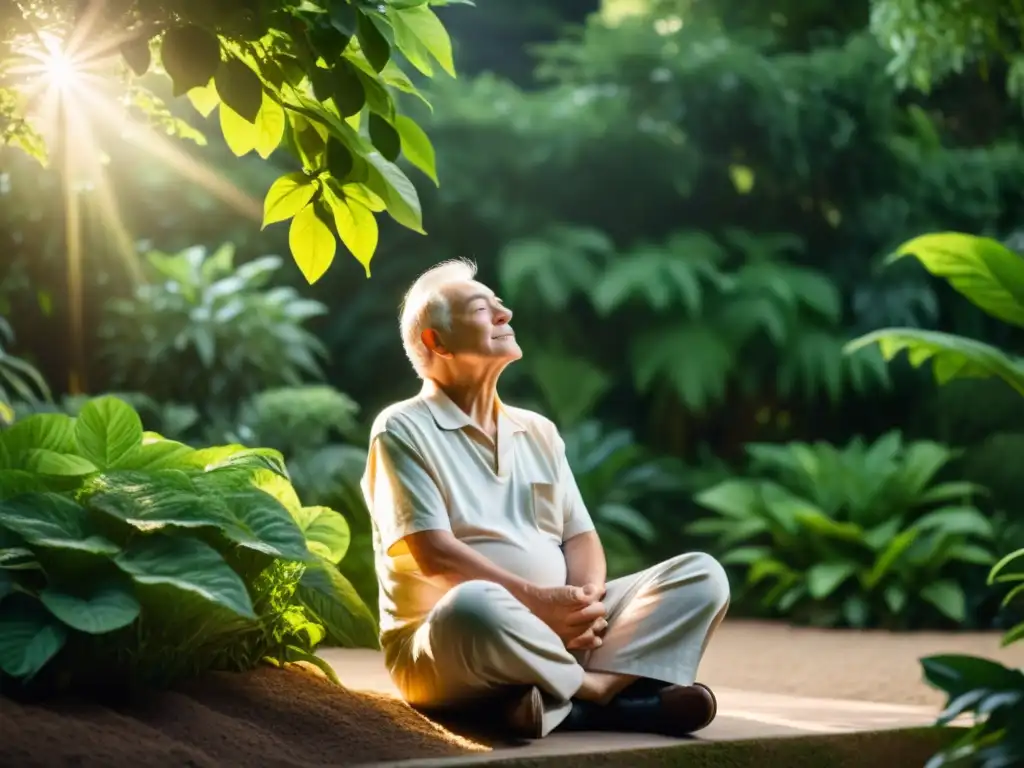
x=576 y=614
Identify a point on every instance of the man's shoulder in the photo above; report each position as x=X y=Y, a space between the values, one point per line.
x=398 y=417
x=536 y=424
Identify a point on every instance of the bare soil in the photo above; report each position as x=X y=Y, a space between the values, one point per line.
x=271 y=718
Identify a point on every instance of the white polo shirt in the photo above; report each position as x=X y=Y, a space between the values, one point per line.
x=431 y=468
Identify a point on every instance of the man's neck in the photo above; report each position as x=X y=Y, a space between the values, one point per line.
x=478 y=399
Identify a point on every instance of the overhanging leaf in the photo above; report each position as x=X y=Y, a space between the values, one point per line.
x=983 y=270
x=312 y=244
x=416 y=146
x=953 y=356
x=287 y=196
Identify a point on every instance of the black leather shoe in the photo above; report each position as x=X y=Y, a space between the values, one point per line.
x=674 y=710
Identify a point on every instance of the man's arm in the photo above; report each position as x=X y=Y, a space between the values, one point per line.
x=585 y=560
x=410 y=513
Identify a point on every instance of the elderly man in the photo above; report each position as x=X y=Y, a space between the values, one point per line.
x=491 y=574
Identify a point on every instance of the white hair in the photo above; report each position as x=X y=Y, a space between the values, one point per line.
x=426 y=306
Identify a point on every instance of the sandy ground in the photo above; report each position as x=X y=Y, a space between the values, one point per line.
x=280 y=718
x=866 y=666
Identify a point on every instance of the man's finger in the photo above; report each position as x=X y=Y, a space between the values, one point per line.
x=586 y=615
x=585 y=641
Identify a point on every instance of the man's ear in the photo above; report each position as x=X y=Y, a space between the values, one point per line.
x=432 y=341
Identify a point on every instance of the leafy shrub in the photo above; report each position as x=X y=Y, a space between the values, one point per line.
x=618 y=479
x=993 y=693
x=860 y=535
x=127 y=557
x=208 y=333
x=989 y=275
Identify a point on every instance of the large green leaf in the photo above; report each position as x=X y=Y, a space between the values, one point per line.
x=159 y=454
x=965 y=521
x=948 y=597
x=335 y=602
x=93 y=608
x=150 y=501
x=733 y=498
x=53 y=521
x=891 y=555
x=188 y=565
x=958 y=674
x=952 y=356
x=825 y=578
x=46 y=462
x=107 y=431
x=29 y=636
x=327 y=532
x=984 y=270
x=261 y=523
x=45 y=431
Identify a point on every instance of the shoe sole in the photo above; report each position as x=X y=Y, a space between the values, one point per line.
x=528 y=715
x=714 y=705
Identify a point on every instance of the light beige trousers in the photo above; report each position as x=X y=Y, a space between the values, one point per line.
x=478 y=638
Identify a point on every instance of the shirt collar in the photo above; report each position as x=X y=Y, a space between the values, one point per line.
x=449 y=416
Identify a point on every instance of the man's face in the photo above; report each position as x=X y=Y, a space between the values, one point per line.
x=480 y=326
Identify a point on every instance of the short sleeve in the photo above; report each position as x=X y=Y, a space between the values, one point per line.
x=401 y=493
x=576 y=518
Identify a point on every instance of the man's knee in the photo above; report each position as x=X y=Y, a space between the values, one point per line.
x=478 y=607
x=704 y=577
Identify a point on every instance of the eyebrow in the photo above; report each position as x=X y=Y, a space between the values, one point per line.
x=477 y=297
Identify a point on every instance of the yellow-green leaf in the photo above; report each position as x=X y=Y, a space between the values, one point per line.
x=416 y=146
x=312 y=244
x=240 y=135
x=269 y=127
x=418 y=27
x=357 y=228
x=287 y=196
x=204 y=98
x=954 y=357
x=984 y=270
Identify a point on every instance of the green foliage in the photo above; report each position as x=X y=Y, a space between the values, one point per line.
x=618 y=479
x=744 y=314
x=129 y=558
x=993 y=693
x=210 y=334
x=991 y=277
x=19 y=380
x=862 y=535
x=321 y=79
x=931 y=39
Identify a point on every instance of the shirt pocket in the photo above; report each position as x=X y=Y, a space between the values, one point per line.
x=547 y=507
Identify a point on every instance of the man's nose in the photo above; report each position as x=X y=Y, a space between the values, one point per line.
x=503 y=316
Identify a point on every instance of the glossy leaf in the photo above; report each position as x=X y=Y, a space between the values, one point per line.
x=416 y=146
x=312 y=244
x=97 y=609
x=187 y=565
x=952 y=356
x=287 y=196
x=984 y=270
x=357 y=228
x=239 y=88
x=108 y=431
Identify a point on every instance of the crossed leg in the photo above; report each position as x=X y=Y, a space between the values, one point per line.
x=479 y=639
